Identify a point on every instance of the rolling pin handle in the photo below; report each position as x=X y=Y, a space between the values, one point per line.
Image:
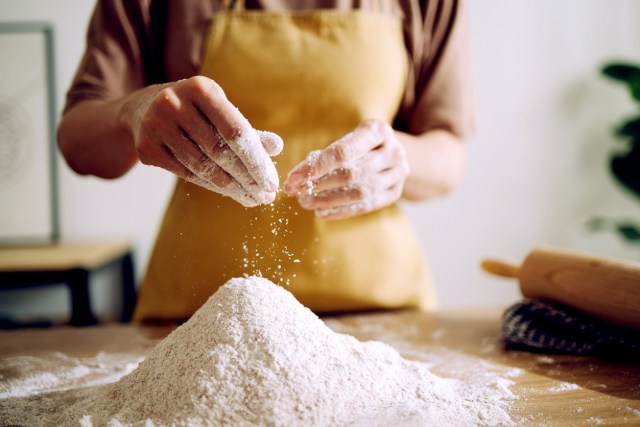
x=500 y=268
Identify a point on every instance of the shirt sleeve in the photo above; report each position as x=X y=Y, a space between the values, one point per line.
x=112 y=62
x=438 y=94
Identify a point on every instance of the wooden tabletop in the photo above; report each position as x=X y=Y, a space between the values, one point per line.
x=61 y=256
x=550 y=390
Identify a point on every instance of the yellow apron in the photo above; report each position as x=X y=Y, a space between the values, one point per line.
x=310 y=77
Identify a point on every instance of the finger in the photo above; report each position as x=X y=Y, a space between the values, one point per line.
x=238 y=134
x=378 y=201
x=370 y=165
x=168 y=147
x=204 y=171
x=234 y=191
x=224 y=156
x=385 y=190
x=395 y=176
x=343 y=212
x=367 y=136
x=342 y=177
x=205 y=136
x=164 y=158
x=210 y=175
x=161 y=156
x=271 y=142
x=336 y=197
x=249 y=149
x=187 y=152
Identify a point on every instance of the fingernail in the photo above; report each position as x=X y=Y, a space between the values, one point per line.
x=306 y=201
x=267 y=198
x=288 y=190
x=273 y=183
x=291 y=188
x=294 y=179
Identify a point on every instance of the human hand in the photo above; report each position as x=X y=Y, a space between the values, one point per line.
x=363 y=171
x=190 y=128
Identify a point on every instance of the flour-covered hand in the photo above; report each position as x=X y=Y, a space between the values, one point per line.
x=363 y=171
x=190 y=128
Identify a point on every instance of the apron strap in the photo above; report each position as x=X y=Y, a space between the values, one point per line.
x=234 y=5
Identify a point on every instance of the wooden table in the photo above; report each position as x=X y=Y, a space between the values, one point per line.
x=550 y=390
x=71 y=264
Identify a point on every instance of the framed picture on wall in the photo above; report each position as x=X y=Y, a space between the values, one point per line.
x=28 y=177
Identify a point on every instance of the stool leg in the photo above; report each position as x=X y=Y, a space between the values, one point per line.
x=81 y=314
x=128 y=287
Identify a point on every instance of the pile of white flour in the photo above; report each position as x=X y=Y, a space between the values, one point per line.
x=253 y=355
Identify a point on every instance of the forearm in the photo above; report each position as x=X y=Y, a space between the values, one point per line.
x=437 y=162
x=95 y=140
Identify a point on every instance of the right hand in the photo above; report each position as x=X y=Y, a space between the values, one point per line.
x=190 y=128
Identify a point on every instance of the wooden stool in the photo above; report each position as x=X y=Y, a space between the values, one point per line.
x=71 y=264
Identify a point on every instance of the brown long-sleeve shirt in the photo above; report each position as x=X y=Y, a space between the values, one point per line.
x=132 y=43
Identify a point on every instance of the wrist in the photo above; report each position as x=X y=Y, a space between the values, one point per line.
x=437 y=162
x=128 y=113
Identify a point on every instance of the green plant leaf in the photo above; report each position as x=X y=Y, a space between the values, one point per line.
x=621 y=71
x=626 y=168
x=630 y=128
x=634 y=86
x=630 y=232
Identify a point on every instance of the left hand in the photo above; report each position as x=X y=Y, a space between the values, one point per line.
x=363 y=171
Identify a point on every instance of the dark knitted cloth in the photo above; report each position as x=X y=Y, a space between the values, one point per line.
x=548 y=327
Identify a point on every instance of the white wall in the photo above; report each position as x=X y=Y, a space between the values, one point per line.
x=537 y=165
x=91 y=209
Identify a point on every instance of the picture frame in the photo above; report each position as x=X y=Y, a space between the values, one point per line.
x=28 y=175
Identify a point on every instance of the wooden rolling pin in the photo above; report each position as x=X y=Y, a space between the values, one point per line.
x=605 y=288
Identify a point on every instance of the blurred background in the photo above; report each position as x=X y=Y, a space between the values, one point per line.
x=538 y=166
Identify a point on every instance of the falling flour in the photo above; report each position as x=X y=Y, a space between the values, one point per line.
x=253 y=355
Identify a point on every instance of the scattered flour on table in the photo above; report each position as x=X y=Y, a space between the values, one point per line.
x=253 y=355
x=634 y=411
x=565 y=386
x=594 y=421
x=59 y=372
x=513 y=373
x=546 y=360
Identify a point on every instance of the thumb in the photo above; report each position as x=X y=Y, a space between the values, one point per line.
x=271 y=142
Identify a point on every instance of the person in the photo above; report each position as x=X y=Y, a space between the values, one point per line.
x=294 y=128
